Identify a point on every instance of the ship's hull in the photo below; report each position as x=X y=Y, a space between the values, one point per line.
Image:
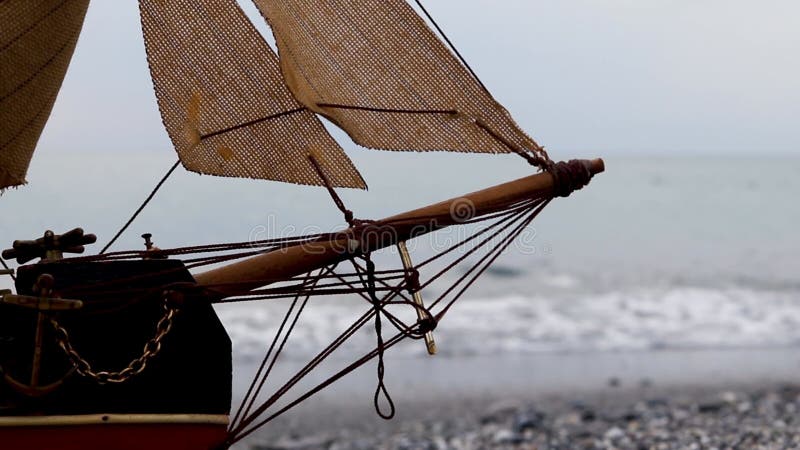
x=114 y=432
x=179 y=401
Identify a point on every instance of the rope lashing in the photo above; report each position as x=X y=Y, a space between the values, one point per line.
x=413 y=287
x=569 y=176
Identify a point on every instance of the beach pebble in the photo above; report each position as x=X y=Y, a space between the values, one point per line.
x=528 y=420
x=614 y=433
x=307 y=443
x=506 y=437
x=728 y=397
x=588 y=415
x=499 y=411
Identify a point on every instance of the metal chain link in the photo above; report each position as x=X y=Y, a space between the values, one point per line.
x=137 y=366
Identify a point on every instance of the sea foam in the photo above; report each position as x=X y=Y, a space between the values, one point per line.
x=682 y=317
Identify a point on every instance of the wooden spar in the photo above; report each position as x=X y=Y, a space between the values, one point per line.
x=284 y=263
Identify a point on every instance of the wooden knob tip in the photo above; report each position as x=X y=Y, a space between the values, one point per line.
x=595 y=166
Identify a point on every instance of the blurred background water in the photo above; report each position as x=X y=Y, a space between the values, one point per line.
x=657 y=253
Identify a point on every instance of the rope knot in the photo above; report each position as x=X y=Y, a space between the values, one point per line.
x=427 y=325
x=412 y=280
x=568 y=176
x=348 y=217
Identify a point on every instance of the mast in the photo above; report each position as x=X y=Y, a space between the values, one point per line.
x=284 y=263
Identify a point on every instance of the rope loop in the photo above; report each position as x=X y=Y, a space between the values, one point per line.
x=378 y=306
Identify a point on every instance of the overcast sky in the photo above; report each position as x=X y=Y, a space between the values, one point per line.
x=582 y=76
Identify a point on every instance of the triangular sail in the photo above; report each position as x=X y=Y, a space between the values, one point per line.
x=224 y=102
x=37 y=40
x=377 y=70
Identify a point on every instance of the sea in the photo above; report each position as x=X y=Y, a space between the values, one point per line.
x=659 y=252
x=666 y=268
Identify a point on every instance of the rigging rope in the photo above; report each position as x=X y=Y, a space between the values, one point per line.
x=510 y=225
x=348 y=214
x=13 y=277
x=541 y=159
x=253 y=391
x=141 y=207
x=450 y=43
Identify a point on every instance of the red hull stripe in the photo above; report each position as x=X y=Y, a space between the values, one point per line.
x=118 y=432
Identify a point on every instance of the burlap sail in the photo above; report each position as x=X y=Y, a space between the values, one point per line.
x=223 y=100
x=377 y=70
x=37 y=39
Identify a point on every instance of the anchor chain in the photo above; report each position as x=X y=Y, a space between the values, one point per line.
x=151 y=349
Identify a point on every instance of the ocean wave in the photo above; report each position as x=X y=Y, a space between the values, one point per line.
x=631 y=319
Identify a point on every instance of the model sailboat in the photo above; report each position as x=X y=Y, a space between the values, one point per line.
x=232 y=107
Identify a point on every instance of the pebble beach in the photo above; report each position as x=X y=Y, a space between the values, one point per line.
x=735 y=399
x=737 y=418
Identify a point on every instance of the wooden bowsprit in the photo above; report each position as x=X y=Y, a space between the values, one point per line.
x=290 y=261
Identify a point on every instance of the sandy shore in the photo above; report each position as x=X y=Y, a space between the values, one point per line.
x=638 y=400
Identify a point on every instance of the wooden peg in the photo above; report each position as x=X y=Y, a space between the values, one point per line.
x=417 y=296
